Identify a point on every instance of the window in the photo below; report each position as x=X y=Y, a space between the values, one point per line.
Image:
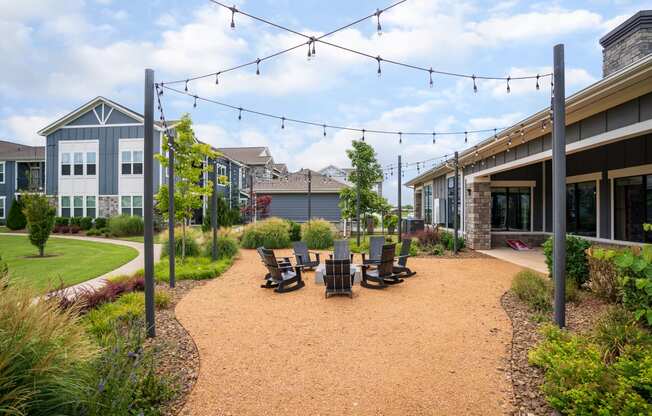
x=2 y=207
x=2 y=172
x=78 y=206
x=221 y=170
x=451 y=198
x=65 y=206
x=132 y=205
x=427 y=204
x=132 y=162
x=79 y=163
x=510 y=209
x=581 y=208
x=632 y=208
x=90 y=206
x=65 y=164
x=91 y=164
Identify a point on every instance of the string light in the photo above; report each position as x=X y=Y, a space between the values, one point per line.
x=475 y=87
x=400 y=137
x=495 y=135
x=257 y=66
x=363 y=130
x=233 y=11
x=194 y=104
x=466 y=137
x=522 y=133
x=543 y=125
x=430 y=72
x=282 y=122
x=217 y=79
x=508 y=89
x=378 y=27
x=186 y=89
x=433 y=137
x=240 y=113
x=324 y=126
x=538 y=87
x=378 y=58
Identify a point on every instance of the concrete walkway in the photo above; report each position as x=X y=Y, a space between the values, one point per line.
x=532 y=259
x=128 y=268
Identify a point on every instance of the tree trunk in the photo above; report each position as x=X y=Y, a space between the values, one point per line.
x=41 y=251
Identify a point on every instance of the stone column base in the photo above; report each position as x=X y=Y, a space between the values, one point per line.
x=108 y=206
x=478 y=215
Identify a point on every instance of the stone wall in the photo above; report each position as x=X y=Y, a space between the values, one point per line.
x=478 y=215
x=627 y=50
x=108 y=206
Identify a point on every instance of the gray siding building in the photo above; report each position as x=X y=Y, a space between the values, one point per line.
x=22 y=169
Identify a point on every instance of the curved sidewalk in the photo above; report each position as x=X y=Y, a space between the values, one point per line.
x=128 y=268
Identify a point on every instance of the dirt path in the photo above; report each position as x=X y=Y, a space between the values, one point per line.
x=434 y=345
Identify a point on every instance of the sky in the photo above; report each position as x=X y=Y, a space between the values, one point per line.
x=57 y=55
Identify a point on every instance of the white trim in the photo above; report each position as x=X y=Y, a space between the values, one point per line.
x=86 y=126
x=476 y=179
x=106 y=119
x=596 y=176
x=543 y=195
x=631 y=171
x=4 y=172
x=612 y=206
x=4 y=207
x=513 y=184
x=97 y=116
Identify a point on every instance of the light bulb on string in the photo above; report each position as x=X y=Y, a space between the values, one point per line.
x=257 y=66
x=240 y=113
x=509 y=78
x=363 y=130
x=496 y=135
x=309 y=51
x=543 y=125
x=434 y=137
x=324 y=126
x=537 y=86
x=379 y=29
x=194 y=104
x=217 y=78
x=466 y=137
x=313 y=46
x=430 y=71
x=522 y=133
x=378 y=58
x=282 y=122
x=186 y=88
x=400 y=138
x=233 y=10
x=475 y=87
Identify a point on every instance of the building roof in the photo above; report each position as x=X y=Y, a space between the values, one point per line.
x=281 y=167
x=641 y=20
x=17 y=151
x=252 y=156
x=297 y=182
x=621 y=86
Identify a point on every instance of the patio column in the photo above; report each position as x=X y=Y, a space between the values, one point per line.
x=478 y=213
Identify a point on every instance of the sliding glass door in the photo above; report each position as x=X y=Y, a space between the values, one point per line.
x=632 y=207
x=581 y=209
x=511 y=209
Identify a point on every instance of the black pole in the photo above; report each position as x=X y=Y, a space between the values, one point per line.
x=455 y=204
x=171 y=214
x=357 y=203
x=251 y=196
x=559 y=185
x=309 y=196
x=214 y=210
x=148 y=196
x=400 y=204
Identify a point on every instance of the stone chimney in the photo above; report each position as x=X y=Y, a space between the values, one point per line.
x=626 y=44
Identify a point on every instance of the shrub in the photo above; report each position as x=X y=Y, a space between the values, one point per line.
x=74 y=229
x=617 y=329
x=76 y=221
x=100 y=223
x=92 y=298
x=191 y=246
x=363 y=248
x=577 y=267
x=4 y=271
x=86 y=223
x=427 y=238
x=40 y=220
x=162 y=299
x=438 y=250
x=93 y=232
x=534 y=290
x=318 y=234
x=635 y=280
x=126 y=226
x=16 y=218
x=227 y=247
x=603 y=276
x=62 y=221
x=295 y=231
x=194 y=268
x=269 y=233
x=448 y=240
x=226 y=216
x=390 y=222
x=44 y=354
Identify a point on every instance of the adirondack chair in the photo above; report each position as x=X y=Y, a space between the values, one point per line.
x=302 y=256
x=383 y=275
x=338 y=278
x=375 y=250
x=342 y=251
x=400 y=267
x=279 y=273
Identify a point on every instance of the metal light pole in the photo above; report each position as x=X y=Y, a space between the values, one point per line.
x=357 y=204
x=400 y=205
x=559 y=185
x=309 y=196
x=171 y=214
x=456 y=186
x=214 y=209
x=148 y=196
x=251 y=195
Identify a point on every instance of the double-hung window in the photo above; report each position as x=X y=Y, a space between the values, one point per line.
x=132 y=205
x=90 y=206
x=2 y=172
x=79 y=163
x=427 y=204
x=3 y=210
x=78 y=206
x=132 y=162
x=91 y=163
x=65 y=164
x=65 y=206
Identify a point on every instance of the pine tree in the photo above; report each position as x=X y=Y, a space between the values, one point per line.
x=16 y=219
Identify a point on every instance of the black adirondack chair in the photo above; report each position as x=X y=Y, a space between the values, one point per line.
x=337 y=278
x=341 y=251
x=375 y=250
x=400 y=267
x=302 y=256
x=281 y=275
x=383 y=274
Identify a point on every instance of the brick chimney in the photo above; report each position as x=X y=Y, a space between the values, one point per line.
x=626 y=44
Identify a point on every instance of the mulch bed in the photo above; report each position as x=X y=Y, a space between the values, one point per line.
x=177 y=354
x=527 y=379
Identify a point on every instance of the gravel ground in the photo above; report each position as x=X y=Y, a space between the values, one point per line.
x=527 y=379
x=437 y=344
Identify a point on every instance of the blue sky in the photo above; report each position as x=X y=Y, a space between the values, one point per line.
x=57 y=55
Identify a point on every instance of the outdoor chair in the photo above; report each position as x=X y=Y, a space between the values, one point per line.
x=342 y=251
x=269 y=283
x=338 y=278
x=281 y=275
x=302 y=256
x=400 y=267
x=383 y=275
x=375 y=250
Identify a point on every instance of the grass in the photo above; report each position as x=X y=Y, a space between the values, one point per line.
x=194 y=268
x=69 y=261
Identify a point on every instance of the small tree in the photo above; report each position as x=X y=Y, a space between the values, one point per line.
x=189 y=166
x=16 y=219
x=40 y=219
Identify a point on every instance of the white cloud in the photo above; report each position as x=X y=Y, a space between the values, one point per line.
x=23 y=128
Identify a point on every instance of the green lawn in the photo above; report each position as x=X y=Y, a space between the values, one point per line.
x=72 y=261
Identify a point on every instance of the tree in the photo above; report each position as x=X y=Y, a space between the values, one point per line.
x=189 y=166
x=259 y=208
x=40 y=219
x=366 y=173
x=16 y=219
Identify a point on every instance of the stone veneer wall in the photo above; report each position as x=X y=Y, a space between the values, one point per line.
x=478 y=215
x=626 y=51
x=108 y=206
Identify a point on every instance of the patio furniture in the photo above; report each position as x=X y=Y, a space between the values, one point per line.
x=286 y=260
x=281 y=276
x=338 y=278
x=383 y=275
x=341 y=251
x=375 y=250
x=400 y=267
x=302 y=256
x=320 y=271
